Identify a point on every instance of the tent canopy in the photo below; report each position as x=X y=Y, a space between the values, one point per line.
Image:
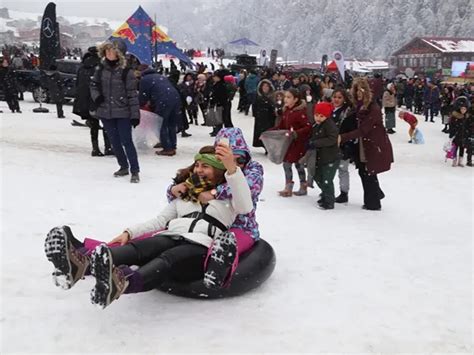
x=244 y=42
x=143 y=37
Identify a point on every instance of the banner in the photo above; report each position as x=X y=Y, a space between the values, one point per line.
x=339 y=59
x=50 y=48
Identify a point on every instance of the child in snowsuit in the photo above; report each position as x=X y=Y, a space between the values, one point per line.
x=324 y=139
x=411 y=120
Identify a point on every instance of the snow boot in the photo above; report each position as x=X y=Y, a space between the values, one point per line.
x=111 y=282
x=221 y=259
x=455 y=162
x=61 y=249
x=108 y=151
x=167 y=153
x=135 y=179
x=288 y=190
x=326 y=206
x=342 y=198
x=303 y=191
x=460 y=164
x=121 y=172
x=97 y=153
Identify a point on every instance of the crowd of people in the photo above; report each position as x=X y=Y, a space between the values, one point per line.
x=330 y=124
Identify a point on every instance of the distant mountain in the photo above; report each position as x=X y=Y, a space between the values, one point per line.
x=306 y=29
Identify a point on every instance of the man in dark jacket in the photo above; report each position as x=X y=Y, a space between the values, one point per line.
x=54 y=84
x=219 y=98
x=83 y=102
x=157 y=92
x=324 y=139
x=9 y=85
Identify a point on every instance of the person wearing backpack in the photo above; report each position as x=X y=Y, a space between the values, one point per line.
x=114 y=93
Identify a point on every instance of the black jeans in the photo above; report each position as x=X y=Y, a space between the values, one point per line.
x=95 y=127
x=372 y=191
x=59 y=109
x=160 y=256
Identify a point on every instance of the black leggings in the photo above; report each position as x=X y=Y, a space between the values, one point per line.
x=158 y=256
x=370 y=183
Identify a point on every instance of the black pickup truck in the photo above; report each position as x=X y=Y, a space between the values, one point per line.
x=30 y=80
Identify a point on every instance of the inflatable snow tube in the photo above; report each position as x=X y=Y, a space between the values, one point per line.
x=255 y=267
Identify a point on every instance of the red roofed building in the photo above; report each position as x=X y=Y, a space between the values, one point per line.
x=432 y=54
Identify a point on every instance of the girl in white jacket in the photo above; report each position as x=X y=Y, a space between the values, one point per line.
x=188 y=228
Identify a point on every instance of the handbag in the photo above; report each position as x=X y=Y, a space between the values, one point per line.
x=215 y=116
x=277 y=142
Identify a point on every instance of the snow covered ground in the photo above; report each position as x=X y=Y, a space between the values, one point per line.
x=346 y=280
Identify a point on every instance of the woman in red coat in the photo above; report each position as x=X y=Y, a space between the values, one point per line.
x=295 y=120
x=374 y=150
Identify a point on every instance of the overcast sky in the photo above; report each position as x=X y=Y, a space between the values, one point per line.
x=112 y=9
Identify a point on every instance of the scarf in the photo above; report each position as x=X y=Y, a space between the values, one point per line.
x=195 y=186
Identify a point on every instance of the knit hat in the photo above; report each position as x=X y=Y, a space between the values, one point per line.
x=323 y=108
x=210 y=159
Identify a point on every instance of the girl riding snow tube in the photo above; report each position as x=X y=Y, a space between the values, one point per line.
x=189 y=228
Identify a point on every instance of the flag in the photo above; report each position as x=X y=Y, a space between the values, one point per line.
x=49 y=38
x=141 y=35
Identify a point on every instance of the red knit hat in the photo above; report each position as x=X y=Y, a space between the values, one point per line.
x=323 y=108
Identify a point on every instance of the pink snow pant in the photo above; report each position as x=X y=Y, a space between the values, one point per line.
x=244 y=243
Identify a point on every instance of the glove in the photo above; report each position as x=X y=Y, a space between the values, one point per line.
x=135 y=122
x=294 y=134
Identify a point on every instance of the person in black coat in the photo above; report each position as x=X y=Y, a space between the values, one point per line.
x=83 y=102
x=54 y=84
x=9 y=86
x=460 y=128
x=242 y=92
x=219 y=96
x=263 y=111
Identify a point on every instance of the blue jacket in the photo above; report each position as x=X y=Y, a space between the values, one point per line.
x=251 y=84
x=157 y=91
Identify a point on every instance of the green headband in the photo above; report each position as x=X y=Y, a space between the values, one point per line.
x=210 y=159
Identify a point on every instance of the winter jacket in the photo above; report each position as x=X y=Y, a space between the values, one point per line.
x=53 y=82
x=83 y=101
x=159 y=93
x=346 y=121
x=264 y=113
x=251 y=84
x=409 y=91
x=375 y=142
x=253 y=172
x=187 y=89
x=324 y=140
x=410 y=119
x=219 y=94
x=296 y=120
x=115 y=98
x=460 y=128
x=173 y=216
x=432 y=96
x=8 y=81
x=376 y=85
x=389 y=100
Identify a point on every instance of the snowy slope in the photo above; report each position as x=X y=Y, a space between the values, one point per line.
x=346 y=280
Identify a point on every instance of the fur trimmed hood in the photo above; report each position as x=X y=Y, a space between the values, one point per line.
x=119 y=46
x=272 y=88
